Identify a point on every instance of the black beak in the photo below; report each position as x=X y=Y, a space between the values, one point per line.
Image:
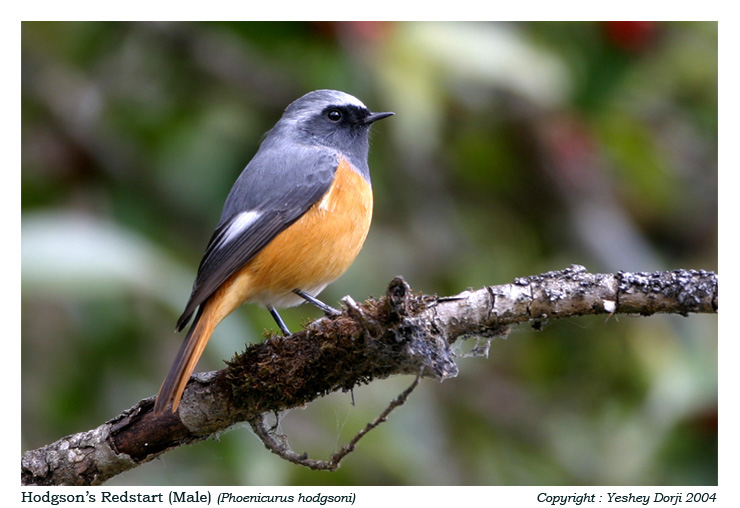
x=372 y=117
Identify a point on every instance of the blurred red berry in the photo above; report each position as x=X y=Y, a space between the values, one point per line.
x=630 y=35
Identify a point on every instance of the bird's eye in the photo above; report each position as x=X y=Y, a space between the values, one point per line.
x=334 y=115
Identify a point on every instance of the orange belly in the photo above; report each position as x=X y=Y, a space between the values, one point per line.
x=310 y=254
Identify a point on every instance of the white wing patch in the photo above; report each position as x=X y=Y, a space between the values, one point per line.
x=240 y=223
x=326 y=201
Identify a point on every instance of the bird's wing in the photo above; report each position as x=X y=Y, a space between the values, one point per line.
x=274 y=190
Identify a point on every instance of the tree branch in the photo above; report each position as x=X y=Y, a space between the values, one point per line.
x=400 y=333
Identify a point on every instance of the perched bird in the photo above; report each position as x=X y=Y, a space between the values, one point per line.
x=294 y=221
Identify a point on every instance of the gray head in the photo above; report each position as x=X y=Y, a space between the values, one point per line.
x=333 y=119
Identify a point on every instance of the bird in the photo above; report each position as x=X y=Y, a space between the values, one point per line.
x=293 y=222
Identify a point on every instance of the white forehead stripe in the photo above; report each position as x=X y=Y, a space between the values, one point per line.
x=315 y=102
x=345 y=99
x=240 y=223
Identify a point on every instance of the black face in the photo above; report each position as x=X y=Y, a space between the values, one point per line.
x=352 y=116
x=345 y=116
x=341 y=127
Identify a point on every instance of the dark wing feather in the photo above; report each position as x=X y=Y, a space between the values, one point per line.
x=279 y=185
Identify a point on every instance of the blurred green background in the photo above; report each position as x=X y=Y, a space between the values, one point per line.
x=516 y=148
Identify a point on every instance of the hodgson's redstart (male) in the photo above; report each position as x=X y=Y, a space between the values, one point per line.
x=294 y=221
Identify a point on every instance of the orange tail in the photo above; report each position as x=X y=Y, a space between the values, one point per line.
x=190 y=351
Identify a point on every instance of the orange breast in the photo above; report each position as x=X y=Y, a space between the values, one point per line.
x=311 y=253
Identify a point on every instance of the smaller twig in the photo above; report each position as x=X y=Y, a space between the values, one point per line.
x=382 y=417
x=278 y=443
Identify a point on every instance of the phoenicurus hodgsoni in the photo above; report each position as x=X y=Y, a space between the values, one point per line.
x=293 y=222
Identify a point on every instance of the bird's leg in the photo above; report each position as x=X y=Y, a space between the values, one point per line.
x=278 y=320
x=328 y=310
